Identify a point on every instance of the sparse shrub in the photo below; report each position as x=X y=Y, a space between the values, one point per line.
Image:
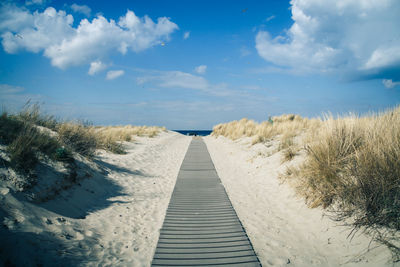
x=288 y=154
x=110 y=144
x=9 y=128
x=286 y=141
x=22 y=154
x=80 y=138
x=24 y=142
x=31 y=114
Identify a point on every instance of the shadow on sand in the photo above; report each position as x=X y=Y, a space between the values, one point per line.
x=91 y=191
x=31 y=249
x=116 y=168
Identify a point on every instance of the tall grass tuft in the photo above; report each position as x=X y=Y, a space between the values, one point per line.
x=353 y=167
x=24 y=142
x=31 y=114
x=79 y=137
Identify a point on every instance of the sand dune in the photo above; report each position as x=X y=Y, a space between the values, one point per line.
x=112 y=216
x=281 y=227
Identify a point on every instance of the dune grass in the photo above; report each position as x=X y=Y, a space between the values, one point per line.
x=24 y=142
x=288 y=124
x=78 y=137
x=111 y=136
x=125 y=133
x=30 y=133
x=352 y=166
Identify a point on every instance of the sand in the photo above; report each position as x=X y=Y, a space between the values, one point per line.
x=282 y=229
x=111 y=218
x=112 y=215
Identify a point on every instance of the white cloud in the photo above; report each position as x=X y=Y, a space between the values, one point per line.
x=83 y=9
x=252 y=87
x=13 y=18
x=35 y=32
x=183 y=80
x=186 y=35
x=383 y=57
x=53 y=33
x=113 y=74
x=96 y=66
x=270 y=18
x=35 y=2
x=337 y=35
x=176 y=79
x=201 y=69
x=390 y=83
x=10 y=89
x=179 y=79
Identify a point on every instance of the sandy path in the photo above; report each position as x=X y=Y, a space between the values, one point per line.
x=131 y=226
x=282 y=229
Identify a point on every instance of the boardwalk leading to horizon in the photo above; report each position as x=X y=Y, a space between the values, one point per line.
x=201 y=227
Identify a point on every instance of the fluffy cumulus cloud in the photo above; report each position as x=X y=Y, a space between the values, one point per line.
x=358 y=37
x=201 y=69
x=52 y=32
x=96 y=66
x=83 y=9
x=113 y=74
x=22 y=30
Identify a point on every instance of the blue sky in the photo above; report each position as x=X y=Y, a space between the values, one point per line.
x=194 y=64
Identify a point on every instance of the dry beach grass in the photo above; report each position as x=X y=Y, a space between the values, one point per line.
x=30 y=134
x=351 y=167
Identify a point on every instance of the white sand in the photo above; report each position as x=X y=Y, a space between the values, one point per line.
x=112 y=218
x=113 y=215
x=283 y=230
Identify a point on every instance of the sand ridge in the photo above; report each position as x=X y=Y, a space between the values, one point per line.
x=111 y=218
x=281 y=227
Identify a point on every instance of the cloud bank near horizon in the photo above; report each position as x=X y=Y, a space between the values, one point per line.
x=357 y=39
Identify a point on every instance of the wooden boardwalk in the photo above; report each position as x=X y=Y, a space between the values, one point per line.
x=201 y=227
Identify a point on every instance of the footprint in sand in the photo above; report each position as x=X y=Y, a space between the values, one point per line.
x=88 y=233
x=79 y=236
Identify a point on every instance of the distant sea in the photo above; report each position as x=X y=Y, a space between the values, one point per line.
x=194 y=132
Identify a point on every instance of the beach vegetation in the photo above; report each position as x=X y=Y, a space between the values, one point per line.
x=30 y=134
x=351 y=166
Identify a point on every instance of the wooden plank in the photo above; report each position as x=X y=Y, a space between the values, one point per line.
x=209 y=255
x=202 y=245
x=190 y=250
x=207 y=262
